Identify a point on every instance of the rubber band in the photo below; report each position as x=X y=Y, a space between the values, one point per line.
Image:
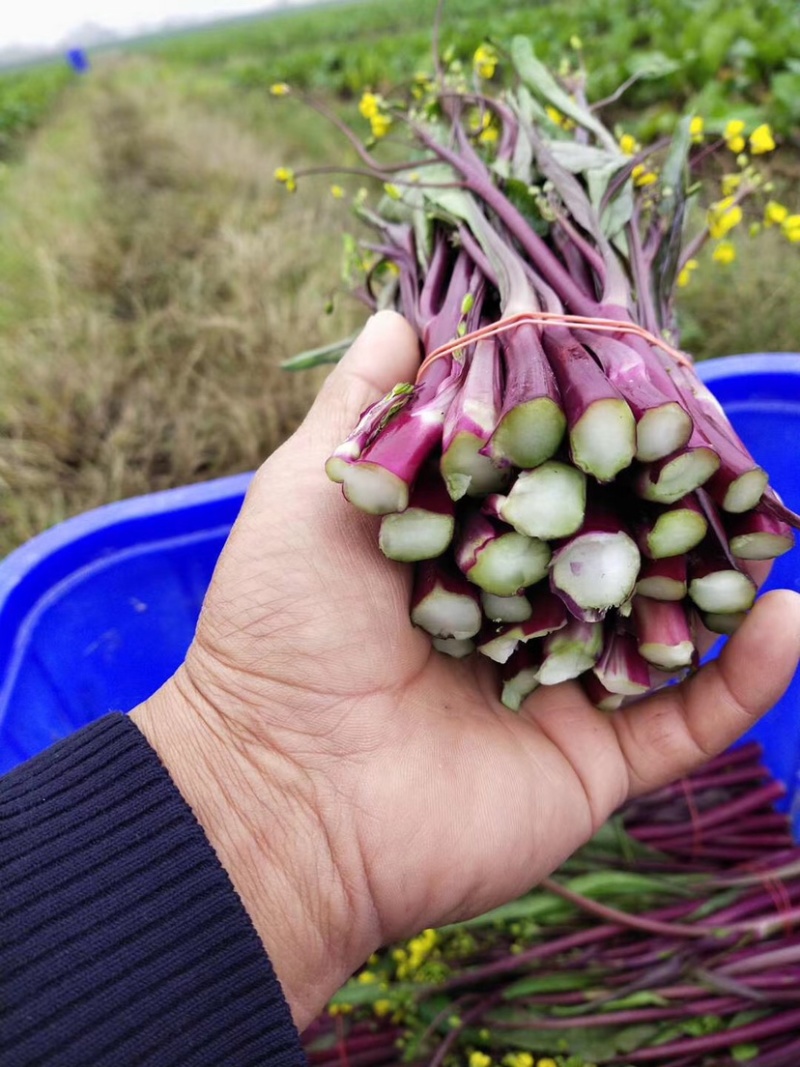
x=552 y=318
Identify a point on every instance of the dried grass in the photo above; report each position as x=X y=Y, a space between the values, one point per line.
x=151 y=356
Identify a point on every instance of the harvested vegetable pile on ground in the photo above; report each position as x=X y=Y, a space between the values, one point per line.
x=574 y=499
x=672 y=938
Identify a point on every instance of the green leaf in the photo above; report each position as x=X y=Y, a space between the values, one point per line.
x=618 y=212
x=595 y=1043
x=547 y=983
x=652 y=64
x=542 y=907
x=316 y=357
x=538 y=78
x=641 y=999
x=578 y=158
x=743 y=1053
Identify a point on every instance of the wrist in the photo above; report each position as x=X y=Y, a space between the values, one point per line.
x=264 y=814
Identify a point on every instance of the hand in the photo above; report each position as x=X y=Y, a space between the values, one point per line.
x=359 y=786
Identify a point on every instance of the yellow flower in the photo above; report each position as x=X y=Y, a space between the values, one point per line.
x=724 y=253
x=367 y=978
x=337 y=192
x=733 y=135
x=791 y=228
x=479 y=1059
x=546 y=1062
x=392 y=191
x=485 y=61
x=382 y=1007
x=558 y=119
x=761 y=140
x=730 y=183
x=339 y=1009
x=696 y=127
x=518 y=1059
x=486 y=128
x=723 y=216
x=774 y=213
x=575 y=43
x=628 y=144
x=685 y=275
x=285 y=176
x=369 y=105
x=642 y=176
x=280 y=89
x=380 y=125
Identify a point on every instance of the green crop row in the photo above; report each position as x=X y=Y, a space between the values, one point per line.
x=25 y=100
x=725 y=59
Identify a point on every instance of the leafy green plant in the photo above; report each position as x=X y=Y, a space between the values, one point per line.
x=26 y=99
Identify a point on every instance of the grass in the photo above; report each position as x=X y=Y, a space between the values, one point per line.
x=153 y=276
x=149 y=291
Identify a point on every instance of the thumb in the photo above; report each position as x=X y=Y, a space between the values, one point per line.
x=385 y=352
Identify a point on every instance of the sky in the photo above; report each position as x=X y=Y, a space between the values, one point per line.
x=46 y=22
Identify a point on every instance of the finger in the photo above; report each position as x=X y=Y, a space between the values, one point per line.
x=676 y=730
x=385 y=352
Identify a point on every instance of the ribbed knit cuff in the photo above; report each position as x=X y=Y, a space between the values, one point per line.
x=122 y=940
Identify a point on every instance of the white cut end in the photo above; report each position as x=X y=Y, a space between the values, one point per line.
x=760 y=545
x=722 y=622
x=509 y=563
x=467 y=472
x=662 y=431
x=603 y=441
x=415 y=534
x=610 y=702
x=530 y=433
x=597 y=570
x=565 y=664
x=570 y=652
x=506 y=608
x=682 y=476
x=661 y=588
x=623 y=686
x=723 y=592
x=374 y=489
x=520 y=686
x=443 y=614
x=548 y=503
x=667 y=657
x=336 y=468
x=675 y=532
x=745 y=491
x=499 y=648
x=456 y=647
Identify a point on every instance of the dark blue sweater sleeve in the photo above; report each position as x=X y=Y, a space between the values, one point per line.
x=122 y=940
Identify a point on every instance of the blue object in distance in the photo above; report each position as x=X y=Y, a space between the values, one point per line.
x=78 y=59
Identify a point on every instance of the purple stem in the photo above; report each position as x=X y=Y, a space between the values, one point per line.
x=645 y=923
x=720 y=814
x=711 y=1005
x=781 y=1023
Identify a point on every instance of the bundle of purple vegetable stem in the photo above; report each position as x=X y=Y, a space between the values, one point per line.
x=576 y=502
x=673 y=938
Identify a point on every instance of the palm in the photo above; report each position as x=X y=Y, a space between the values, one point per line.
x=430 y=796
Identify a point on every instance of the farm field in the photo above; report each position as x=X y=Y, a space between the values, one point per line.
x=153 y=275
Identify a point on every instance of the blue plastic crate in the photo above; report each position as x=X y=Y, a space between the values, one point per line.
x=97 y=612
